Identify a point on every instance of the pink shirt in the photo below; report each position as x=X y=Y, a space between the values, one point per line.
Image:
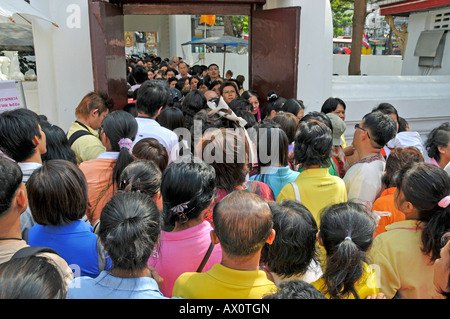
x=183 y=251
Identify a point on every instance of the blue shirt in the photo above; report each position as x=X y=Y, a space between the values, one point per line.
x=76 y=243
x=276 y=177
x=107 y=286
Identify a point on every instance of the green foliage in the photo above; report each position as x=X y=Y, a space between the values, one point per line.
x=240 y=24
x=342 y=11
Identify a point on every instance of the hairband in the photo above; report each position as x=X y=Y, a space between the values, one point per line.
x=126 y=143
x=348 y=238
x=444 y=202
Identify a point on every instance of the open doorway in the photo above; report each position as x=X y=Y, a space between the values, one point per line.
x=273 y=41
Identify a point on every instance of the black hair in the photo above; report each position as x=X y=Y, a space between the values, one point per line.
x=130 y=226
x=189 y=182
x=318 y=116
x=382 y=128
x=193 y=102
x=240 y=103
x=57 y=143
x=424 y=186
x=288 y=123
x=57 y=193
x=268 y=136
x=214 y=83
x=331 y=104
x=152 y=95
x=17 y=131
x=130 y=108
x=274 y=102
x=438 y=137
x=346 y=231
x=293 y=106
x=140 y=74
x=313 y=144
x=118 y=125
x=171 y=118
x=142 y=176
x=295 y=289
x=293 y=249
x=32 y=277
x=386 y=108
x=11 y=177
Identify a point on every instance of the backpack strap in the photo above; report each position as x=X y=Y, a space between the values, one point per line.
x=296 y=192
x=32 y=250
x=76 y=135
x=205 y=259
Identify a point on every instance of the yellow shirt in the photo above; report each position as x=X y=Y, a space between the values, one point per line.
x=402 y=266
x=221 y=282
x=365 y=286
x=318 y=190
x=86 y=147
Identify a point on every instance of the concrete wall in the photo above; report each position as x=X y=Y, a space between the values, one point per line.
x=424 y=101
x=63 y=59
x=417 y=23
x=316 y=42
x=370 y=64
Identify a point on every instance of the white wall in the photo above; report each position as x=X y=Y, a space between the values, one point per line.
x=370 y=64
x=424 y=101
x=417 y=23
x=315 y=47
x=63 y=58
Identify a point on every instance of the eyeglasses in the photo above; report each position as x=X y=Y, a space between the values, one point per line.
x=362 y=129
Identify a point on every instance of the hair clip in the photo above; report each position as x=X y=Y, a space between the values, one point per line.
x=179 y=211
x=348 y=238
x=126 y=143
x=444 y=202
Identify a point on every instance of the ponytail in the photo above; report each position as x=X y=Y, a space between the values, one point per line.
x=433 y=231
x=427 y=188
x=346 y=232
x=344 y=268
x=121 y=128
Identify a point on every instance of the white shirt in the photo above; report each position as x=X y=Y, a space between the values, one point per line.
x=363 y=180
x=178 y=76
x=405 y=139
x=148 y=127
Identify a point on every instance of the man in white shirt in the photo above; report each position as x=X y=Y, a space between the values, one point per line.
x=152 y=97
x=363 y=179
x=183 y=71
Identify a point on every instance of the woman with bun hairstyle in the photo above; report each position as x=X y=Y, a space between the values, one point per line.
x=187 y=189
x=406 y=252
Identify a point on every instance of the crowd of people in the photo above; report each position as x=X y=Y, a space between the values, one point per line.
x=194 y=191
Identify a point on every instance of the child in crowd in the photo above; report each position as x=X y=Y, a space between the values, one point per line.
x=406 y=252
x=384 y=207
x=58 y=199
x=346 y=233
x=292 y=255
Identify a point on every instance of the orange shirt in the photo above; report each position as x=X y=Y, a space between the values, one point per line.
x=385 y=203
x=98 y=173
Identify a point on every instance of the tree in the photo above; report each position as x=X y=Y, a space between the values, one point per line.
x=359 y=18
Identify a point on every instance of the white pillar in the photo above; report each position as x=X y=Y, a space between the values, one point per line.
x=63 y=58
x=180 y=32
x=315 y=67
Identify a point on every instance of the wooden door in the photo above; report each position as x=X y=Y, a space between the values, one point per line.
x=108 y=50
x=274 y=44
